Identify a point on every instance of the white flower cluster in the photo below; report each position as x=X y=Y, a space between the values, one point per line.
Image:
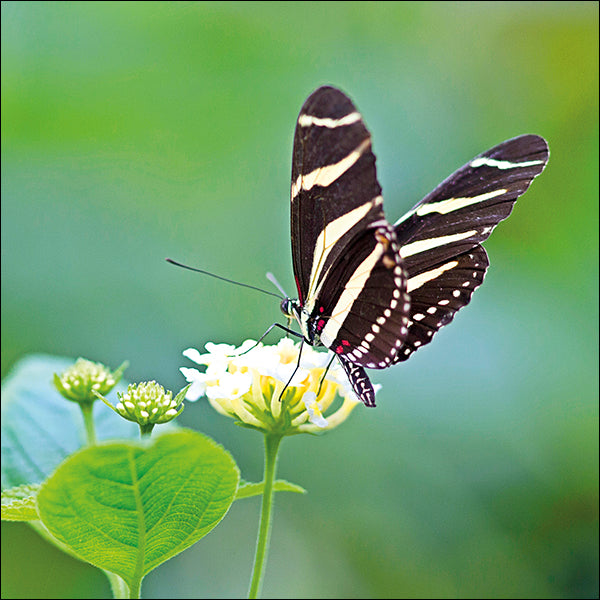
x=249 y=383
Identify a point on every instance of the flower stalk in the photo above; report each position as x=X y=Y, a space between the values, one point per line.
x=278 y=390
x=82 y=383
x=88 y=422
x=272 y=442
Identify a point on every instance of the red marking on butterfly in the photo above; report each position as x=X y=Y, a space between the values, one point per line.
x=300 y=298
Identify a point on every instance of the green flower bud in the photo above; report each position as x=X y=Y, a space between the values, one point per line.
x=148 y=404
x=80 y=382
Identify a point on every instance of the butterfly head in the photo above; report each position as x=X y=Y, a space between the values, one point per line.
x=290 y=308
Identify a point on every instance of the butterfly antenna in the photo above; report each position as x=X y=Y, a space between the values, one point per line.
x=276 y=283
x=246 y=285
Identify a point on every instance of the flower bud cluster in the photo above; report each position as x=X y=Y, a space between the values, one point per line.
x=148 y=403
x=83 y=380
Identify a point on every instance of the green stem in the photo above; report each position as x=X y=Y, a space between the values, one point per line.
x=136 y=589
x=272 y=442
x=146 y=430
x=88 y=421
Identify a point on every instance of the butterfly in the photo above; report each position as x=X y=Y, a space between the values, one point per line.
x=371 y=291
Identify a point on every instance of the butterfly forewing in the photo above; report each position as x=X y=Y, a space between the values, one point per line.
x=463 y=210
x=334 y=190
x=347 y=264
x=440 y=236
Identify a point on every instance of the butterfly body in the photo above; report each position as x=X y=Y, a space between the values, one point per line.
x=371 y=291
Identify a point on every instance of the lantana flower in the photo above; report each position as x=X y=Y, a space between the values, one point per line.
x=279 y=390
x=249 y=384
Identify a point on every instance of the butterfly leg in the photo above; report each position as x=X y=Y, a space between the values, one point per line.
x=285 y=387
x=266 y=333
x=325 y=374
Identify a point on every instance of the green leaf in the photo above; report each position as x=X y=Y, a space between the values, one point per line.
x=40 y=428
x=18 y=503
x=247 y=490
x=128 y=507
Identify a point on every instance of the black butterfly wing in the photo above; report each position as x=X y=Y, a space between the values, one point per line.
x=464 y=209
x=347 y=264
x=334 y=190
x=440 y=237
x=361 y=310
x=364 y=302
x=371 y=292
x=359 y=380
x=437 y=292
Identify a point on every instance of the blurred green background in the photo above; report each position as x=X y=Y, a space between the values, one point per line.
x=135 y=131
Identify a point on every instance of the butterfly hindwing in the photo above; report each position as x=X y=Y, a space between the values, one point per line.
x=360 y=382
x=362 y=307
x=438 y=292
